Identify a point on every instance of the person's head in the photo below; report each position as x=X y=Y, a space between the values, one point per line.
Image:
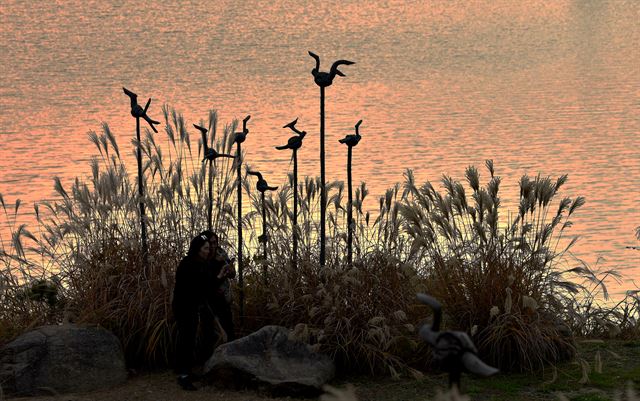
x=213 y=239
x=199 y=247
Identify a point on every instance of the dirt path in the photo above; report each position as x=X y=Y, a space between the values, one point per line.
x=160 y=386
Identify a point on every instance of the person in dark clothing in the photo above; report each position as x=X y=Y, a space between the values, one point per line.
x=222 y=267
x=194 y=287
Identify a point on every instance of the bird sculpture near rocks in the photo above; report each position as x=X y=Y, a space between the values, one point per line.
x=453 y=351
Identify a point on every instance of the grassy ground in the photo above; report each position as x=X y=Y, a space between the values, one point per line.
x=620 y=365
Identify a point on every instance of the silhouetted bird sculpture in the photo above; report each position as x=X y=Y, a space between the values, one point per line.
x=352 y=140
x=210 y=153
x=262 y=185
x=137 y=110
x=240 y=137
x=324 y=79
x=452 y=350
x=295 y=142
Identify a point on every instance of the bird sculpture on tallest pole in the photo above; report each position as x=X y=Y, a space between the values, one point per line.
x=324 y=79
x=138 y=112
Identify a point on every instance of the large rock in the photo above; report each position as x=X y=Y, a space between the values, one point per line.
x=61 y=359
x=268 y=358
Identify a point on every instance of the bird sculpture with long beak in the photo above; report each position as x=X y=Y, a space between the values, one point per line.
x=352 y=140
x=210 y=153
x=295 y=142
x=138 y=112
x=240 y=137
x=324 y=79
x=262 y=184
x=452 y=350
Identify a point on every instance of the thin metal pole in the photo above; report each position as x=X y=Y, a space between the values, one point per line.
x=323 y=190
x=240 y=267
x=295 y=208
x=143 y=224
x=349 y=212
x=264 y=238
x=210 y=208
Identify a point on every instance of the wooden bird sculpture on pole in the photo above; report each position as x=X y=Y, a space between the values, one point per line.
x=324 y=79
x=350 y=141
x=294 y=143
x=138 y=112
x=262 y=186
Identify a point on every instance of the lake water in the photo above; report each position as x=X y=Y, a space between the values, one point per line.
x=539 y=87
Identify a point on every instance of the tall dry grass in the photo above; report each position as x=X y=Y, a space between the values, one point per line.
x=502 y=278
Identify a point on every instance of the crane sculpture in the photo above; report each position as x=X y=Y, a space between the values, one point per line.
x=324 y=79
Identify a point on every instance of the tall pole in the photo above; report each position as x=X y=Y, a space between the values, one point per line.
x=240 y=265
x=324 y=79
x=210 y=206
x=238 y=139
x=295 y=209
x=349 y=211
x=264 y=240
x=323 y=189
x=143 y=222
x=350 y=141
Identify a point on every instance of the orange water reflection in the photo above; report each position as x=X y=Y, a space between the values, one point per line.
x=535 y=86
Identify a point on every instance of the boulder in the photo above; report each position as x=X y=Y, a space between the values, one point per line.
x=269 y=359
x=61 y=359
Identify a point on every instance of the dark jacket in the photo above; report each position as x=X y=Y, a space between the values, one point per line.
x=196 y=285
